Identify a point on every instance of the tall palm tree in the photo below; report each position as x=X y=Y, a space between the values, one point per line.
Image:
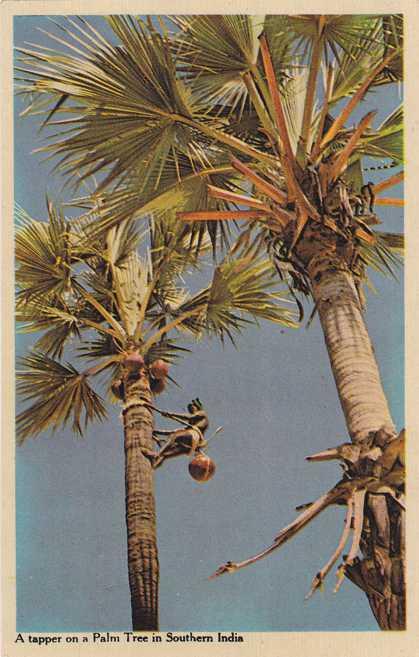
x=118 y=301
x=226 y=119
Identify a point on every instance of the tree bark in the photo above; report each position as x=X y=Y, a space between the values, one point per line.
x=381 y=572
x=143 y=565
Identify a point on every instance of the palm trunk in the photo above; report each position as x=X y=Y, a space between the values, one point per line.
x=381 y=572
x=143 y=565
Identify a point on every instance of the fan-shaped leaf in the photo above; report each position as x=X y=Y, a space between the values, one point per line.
x=60 y=393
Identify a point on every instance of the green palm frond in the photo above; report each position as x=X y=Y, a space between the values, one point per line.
x=367 y=49
x=392 y=29
x=59 y=392
x=167 y=350
x=195 y=196
x=100 y=347
x=84 y=246
x=214 y=52
x=127 y=94
x=294 y=99
x=173 y=250
x=246 y=125
x=243 y=289
x=387 y=142
x=354 y=176
x=112 y=325
x=50 y=277
x=340 y=34
x=43 y=255
x=130 y=280
x=121 y=242
x=242 y=286
x=98 y=281
x=56 y=325
x=130 y=106
x=393 y=241
x=386 y=255
x=281 y=42
x=181 y=187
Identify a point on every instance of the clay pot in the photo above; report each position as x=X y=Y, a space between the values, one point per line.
x=157 y=386
x=134 y=361
x=159 y=369
x=201 y=468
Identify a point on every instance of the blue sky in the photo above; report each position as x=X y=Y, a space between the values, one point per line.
x=276 y=399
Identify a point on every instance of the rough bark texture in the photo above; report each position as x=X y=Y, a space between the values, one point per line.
x=381 y=572
x=143 y=565
x=350 y=350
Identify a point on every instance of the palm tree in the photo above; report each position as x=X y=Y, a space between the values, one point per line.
x=226 y=119
x=117 y=300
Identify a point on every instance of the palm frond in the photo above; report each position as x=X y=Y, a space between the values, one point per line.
x=130 y=289
x=387 y=141
x=368 y=48
x=214 y=52
x=59 y=393
x=173 y=250
x=43 y=255
x=121 y=242
x=385 y=256
x=393 y=35
x=393 y=241
x=294 y=101
x=167 y=350
x=57 y=326
x=100 y=347
x=115 y=327
x=243 y=286
x=243 y=289
x=131 y=109
x=122 y=98
x=180 y=187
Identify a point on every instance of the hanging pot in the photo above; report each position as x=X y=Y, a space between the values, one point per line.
x=201 y=468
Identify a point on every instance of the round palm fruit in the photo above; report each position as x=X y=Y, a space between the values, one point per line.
x=117 y=388
x=134 y=361
x=159 y=369
x=157 y=386
x=201 y=468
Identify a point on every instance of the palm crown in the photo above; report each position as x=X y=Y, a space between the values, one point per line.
x=93 y=299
